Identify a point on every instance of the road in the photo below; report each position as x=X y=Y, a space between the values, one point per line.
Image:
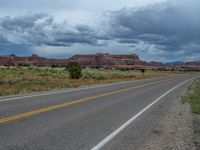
x=113 y=116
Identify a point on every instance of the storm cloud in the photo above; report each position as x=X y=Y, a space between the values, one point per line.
x=40 y=29
x=161 y=30
x=170 y=26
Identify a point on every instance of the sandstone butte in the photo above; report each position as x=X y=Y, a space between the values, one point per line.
x=99 y=60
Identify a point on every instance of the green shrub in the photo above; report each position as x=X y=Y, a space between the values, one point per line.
x=75 y=70
x=88 y=75
x=100 y=77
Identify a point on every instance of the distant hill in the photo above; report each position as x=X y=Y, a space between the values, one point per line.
x=34 y=60
x=106 y=60
x=99 y=60
x=174 y=63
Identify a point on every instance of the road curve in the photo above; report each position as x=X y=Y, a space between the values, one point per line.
x=113 y=116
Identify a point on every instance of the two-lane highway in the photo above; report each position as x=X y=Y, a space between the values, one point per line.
x=105 y=116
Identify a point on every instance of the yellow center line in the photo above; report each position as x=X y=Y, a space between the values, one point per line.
x=46 y=109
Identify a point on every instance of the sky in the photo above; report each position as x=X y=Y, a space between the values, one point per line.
x=156 y=30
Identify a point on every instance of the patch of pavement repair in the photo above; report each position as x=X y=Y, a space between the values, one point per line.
x=196 y=125
x=174 y=131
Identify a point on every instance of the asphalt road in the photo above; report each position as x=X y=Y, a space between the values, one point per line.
x=114 y=116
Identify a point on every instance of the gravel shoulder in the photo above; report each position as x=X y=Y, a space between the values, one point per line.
x=196 y=125
x=174 y=131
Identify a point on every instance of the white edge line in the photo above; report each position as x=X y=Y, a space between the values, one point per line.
x=122 y=127
x=83 y=88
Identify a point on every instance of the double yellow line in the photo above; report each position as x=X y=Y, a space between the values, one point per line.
x=46 y=109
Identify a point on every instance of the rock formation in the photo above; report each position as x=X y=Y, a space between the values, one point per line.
x=34 y=60
x=99 y=60
x=107 y=60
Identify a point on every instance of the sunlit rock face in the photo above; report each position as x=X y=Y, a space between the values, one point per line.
x=33 y=60
x=99 y=60
x=107 y=60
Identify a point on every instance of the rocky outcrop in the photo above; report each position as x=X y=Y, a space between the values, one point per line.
x=107 y=60
x=35 y=60
x=103 y=60
x=193 y=65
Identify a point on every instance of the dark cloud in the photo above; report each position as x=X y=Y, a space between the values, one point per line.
x=19 y=49
x=168 y=30
x=3 y=39
x=40 y=29
x=171 y=26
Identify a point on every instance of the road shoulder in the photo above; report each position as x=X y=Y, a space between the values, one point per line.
x=174 y=131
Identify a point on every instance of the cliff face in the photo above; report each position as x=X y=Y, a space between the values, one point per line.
x=97 y=60
x=107 y=60
x=30 y=60
x=195 y=65
x=104 y=60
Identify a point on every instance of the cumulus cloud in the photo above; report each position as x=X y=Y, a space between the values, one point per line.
x=161 y=30
x=40 y=29
x=170 y=26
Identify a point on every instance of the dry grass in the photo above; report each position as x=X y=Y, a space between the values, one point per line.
x=193 y=96
x=19 y=80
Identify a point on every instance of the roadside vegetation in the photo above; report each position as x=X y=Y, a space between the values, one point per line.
x=20 y=80
x=192 y=97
